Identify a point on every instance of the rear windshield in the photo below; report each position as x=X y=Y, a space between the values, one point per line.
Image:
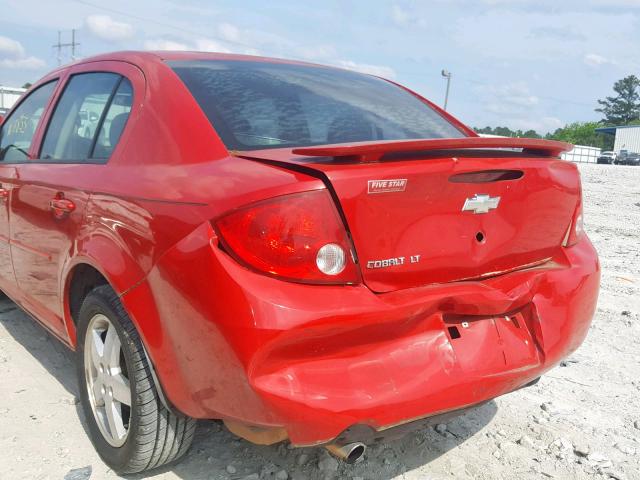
x=256 y=105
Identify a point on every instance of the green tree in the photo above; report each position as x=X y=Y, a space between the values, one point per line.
x=504 y=132
x=531 y=134
x=507 y=132
x=583 y=133
x=27 y=85
x=485 y=130
x=625 y=106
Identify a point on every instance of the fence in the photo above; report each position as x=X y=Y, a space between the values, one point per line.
x=583 y=154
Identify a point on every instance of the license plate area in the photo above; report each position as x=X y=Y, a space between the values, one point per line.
x=492 y=344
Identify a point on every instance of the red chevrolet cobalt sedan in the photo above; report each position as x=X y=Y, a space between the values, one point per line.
x=306 y=253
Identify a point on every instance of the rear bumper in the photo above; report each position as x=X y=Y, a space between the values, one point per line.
x=366 y=434
x=317 y=360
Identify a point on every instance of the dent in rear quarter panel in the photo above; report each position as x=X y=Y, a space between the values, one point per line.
x=137 y=229
x=175 y=328
x=122 y=238
x=192 y=334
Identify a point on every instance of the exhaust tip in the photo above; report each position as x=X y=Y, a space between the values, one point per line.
x=356 y=452
x=349 y=453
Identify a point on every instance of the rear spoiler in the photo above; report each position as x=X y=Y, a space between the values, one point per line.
x=374 y=151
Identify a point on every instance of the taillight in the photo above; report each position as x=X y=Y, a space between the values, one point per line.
x=297 y=237
x=576 y=229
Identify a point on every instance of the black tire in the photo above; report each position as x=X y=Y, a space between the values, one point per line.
x=156 y=436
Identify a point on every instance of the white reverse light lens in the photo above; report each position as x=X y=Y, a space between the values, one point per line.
x=331 y=259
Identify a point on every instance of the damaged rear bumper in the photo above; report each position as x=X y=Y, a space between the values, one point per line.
x=318 y=363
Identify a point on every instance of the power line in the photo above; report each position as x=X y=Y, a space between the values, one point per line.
x=162 y=24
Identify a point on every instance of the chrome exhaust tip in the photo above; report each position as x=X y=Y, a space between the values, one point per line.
x=349 y=453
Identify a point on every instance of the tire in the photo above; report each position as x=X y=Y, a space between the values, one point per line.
x=144 y=434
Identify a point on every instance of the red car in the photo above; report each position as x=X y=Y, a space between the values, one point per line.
x=307 y=253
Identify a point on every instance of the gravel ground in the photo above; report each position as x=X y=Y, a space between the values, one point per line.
x=581 y=421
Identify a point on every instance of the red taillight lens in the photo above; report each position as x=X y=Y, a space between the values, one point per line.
x=298 y=237
x=576 y=229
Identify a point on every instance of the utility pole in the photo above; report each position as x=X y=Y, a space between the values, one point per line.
x=71 y=45
x=447 y=75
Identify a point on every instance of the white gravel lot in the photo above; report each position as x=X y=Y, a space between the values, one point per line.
x=581 y=421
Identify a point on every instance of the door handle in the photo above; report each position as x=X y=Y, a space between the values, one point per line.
x=4 y=193
x=61 y=207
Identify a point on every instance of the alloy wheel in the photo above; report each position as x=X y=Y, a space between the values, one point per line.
x=107 y=380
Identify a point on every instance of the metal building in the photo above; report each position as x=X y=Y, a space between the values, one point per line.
x=627 y=138
x=8 y=97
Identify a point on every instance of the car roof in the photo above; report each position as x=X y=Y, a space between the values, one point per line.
x=140 y=58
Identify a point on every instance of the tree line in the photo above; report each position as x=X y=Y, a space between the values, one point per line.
x=621 y=109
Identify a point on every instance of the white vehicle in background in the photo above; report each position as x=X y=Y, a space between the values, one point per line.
x=8 y=97
x=608 y=158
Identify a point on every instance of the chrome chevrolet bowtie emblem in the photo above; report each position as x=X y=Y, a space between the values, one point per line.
x=480 y=204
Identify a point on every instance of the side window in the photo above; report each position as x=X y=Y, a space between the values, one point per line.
x=114 y=121
x=17 y=131
x=77 y=117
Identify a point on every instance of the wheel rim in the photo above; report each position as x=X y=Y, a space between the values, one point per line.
x=107 y=380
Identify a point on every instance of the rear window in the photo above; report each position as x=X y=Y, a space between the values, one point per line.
x=256 y=105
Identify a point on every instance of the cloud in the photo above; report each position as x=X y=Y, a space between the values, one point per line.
x=400 y=16
x=197 y=45
x=378 y=70
x=10 y=48
x=542 y=36
x=163 y=44
x=317 y=52
x=561 y=34
x=208 y=45
x=105 y=28
x=546 y=4
x=27 y=63
x=506 y=2
x=229 y=32
x=405 y=16
x=13 y=56
x=595 y=60
x=617 y=3
x=513 y=94
x=514 y=105
x=226 y=38
x=232 y=39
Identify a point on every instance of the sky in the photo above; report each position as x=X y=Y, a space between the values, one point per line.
x=524 y=64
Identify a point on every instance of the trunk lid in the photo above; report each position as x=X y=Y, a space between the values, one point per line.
x=434 y=215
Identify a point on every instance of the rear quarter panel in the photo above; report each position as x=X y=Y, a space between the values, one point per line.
x=169 y=174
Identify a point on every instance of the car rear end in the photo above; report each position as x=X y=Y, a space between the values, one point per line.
x=631 y=159
x=426 y=271
x=607 y=158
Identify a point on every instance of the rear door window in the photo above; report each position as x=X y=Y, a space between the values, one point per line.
x=16 y=134
x=114 y=121
x=84 y=117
